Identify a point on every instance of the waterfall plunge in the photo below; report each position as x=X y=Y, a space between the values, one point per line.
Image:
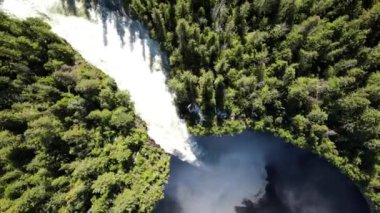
x=121 y=49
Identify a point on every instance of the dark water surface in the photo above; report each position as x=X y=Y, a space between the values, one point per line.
x=254 y=172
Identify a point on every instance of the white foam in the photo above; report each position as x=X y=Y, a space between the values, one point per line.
x=129 y=63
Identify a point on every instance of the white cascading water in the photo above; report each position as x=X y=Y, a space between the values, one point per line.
x=126 y=54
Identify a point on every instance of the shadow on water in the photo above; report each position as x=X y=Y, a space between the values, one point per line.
x=112 y=10
x=296 y=180
x=108 y=10
x=70 y=6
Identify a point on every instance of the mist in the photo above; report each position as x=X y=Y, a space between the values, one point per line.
x=252 y=172
x=249 y=172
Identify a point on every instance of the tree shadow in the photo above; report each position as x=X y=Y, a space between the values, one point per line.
x=108 y=10
x=113 y=11
x=137 y=30
x=271 y=202
x=69 y=6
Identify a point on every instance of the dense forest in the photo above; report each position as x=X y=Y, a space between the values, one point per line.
x=69 y=140
x=308 y=71
x=305 y=70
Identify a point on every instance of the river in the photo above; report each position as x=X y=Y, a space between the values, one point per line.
x=248 y=172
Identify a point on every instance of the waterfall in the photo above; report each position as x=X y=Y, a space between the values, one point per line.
x=122 y=49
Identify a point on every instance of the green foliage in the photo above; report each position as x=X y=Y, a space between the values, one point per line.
x=69 y=140
x=305 y=70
